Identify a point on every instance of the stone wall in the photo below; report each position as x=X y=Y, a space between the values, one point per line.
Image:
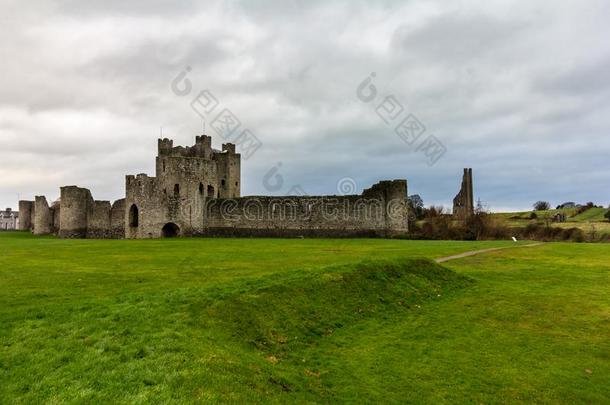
x=75 y=215
x=43 y=218
x=379 y=211
x=117 y=219
x=25 y=215
x=98 y=222
x=33 y=217
x=56 y=209
x=295 y=216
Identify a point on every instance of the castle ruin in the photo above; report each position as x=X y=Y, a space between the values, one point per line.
x=196 y=191
x=463 y=203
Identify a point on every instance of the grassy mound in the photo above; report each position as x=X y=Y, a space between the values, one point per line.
x=278 y=315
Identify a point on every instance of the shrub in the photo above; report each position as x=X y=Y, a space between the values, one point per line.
x=478 y=226
x=427 y=231
x=531 y=229
x=582 y=208
x=573 y=234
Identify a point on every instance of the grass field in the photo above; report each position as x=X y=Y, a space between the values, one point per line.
x=312 y=320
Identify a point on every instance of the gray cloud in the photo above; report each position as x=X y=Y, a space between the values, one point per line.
x=514 y=90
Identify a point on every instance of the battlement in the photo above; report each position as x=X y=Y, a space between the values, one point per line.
x=388 y=189
x=228 y=147
x=204 y=140
x=165 y=146
x=139 y=179
x=201 y=149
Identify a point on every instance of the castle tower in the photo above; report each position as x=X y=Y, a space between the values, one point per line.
x=187 y=177
x=229 y=169
x=73 y=215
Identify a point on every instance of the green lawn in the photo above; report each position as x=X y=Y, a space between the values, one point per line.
x=301 y=320
x=533 y=328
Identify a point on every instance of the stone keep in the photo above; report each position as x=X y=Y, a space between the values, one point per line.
x=173 y=202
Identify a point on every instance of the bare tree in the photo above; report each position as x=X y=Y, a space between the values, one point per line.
x=542 y=205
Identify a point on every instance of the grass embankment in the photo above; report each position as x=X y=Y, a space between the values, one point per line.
x=284 y=318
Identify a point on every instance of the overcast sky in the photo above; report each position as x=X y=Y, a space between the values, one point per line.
x=516 y=90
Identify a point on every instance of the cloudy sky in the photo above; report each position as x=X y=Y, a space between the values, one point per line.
x=516 y=90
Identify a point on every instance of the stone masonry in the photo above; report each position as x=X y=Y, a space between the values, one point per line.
x=463 y=203
x=196 y=191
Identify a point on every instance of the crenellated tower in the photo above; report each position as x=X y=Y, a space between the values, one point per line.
x=186 y=177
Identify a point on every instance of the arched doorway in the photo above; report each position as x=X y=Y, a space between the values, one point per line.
x=210 y=191
x=170 y=230
x=134 y=219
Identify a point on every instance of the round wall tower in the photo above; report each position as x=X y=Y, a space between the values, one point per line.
x=75 y=203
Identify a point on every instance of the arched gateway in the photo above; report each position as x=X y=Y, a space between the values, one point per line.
x=170 y=230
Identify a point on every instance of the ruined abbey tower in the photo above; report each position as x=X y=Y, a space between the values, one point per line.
x=196 y=191
x=463 y=203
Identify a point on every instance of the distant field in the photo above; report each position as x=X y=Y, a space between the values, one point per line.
x=301 y=320
x=526 y=214
x=589 y=221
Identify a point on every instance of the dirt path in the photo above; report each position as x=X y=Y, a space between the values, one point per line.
x=478 y=252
